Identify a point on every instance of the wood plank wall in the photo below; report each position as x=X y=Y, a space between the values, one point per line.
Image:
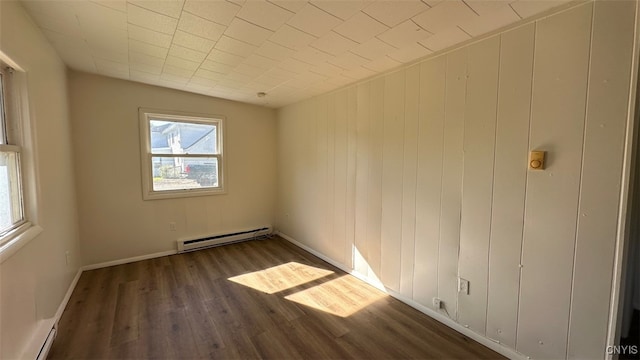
x=420 y=176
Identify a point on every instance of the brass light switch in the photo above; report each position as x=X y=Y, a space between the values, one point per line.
x=536 y=160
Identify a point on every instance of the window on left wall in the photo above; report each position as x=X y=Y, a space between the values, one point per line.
x=18 y=173
x=12 y=214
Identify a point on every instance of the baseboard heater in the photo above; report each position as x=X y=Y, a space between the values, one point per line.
x=185 y=245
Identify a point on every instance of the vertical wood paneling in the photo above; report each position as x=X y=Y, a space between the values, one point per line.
x=456 y=85
x=363 y=141
x=340 y=176
x=411 y=115
x=510 y=174
x=477 y=187
x=557 y=123
x=609 y=77
x=374 y=204
x=352 y=109
x=330 y=232
x=429 y=178
x=391 y=232
x=321 y=105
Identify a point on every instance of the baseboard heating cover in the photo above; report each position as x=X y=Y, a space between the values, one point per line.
x=185 y=245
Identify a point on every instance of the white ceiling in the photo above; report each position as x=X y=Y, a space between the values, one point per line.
x=290 y=49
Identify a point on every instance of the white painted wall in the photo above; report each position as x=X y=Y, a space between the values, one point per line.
x=420 y=176
x=115 y=223
x=34 y=280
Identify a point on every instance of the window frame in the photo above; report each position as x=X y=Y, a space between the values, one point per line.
x=146 y=156
x=17 y=136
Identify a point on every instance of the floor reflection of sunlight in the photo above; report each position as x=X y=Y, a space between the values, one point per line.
x=342 y=297
x=281 y=277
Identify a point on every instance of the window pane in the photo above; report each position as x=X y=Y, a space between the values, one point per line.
x=180 y=173
x=10 y=199
x=174 y=137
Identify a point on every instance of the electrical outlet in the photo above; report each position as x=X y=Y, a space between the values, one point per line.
x=437 y=303
x=463 y=286
x=172 y=226
x=67 y=257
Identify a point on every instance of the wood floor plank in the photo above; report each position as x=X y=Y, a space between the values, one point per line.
x=263 y=299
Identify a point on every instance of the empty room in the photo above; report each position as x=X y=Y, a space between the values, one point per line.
x=321 y=179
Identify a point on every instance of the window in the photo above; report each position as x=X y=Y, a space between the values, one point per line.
x=11 y=197
x=181 y=154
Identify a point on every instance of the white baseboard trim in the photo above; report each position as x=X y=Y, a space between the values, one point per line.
x=66 y=298
x=128 y=260
x=493 y=345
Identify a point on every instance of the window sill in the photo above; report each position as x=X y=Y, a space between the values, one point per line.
x=174 y=194
x=15 y=240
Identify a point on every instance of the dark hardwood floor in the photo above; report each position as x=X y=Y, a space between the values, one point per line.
x=263 y=299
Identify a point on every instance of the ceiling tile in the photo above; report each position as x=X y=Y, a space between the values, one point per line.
x=492 y=20
x=294 y=65
x=334 y=43
x=392 y=13
x=311 y=56
x=360 y=28
x=410 y=53
x=359 y=73
x=348 y=60
x=202 y=81
x=291 y=38
x=192 y=42
x=382 y=64
x=249 y=70
x=111 y=66
x=445 y=14
x=224 y=57
x=314 y=21
x=141 y=58
x=216 y=66
x=171 y=8
x=178 y=71
x=526 y=8
x=264 y=14
x=341 y=9
x=143 y=76
x=260 y=61
x=326 y=69
x=71 y=28
x=151 y=20
x=181 y=63
x=93 y=15
x=291 y=5
x=274 y=51
x=404 y=34
x=106 y=54
x=483 y=7
x=151 y=69
x=200 y=27
x=221 y=12
x=149 y=36
x=234 y=75
x=147 y=49
x=187 y=54
x=445 y=38
x=206 y=74
x=234 y=46
x=373 y=49
x=175 y=78
x=247 y=32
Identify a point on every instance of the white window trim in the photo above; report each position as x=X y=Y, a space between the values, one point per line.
x=15 y=239
x=145 y=153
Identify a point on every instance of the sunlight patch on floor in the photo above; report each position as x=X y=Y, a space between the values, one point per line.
x=281 y=277
x=342 y=297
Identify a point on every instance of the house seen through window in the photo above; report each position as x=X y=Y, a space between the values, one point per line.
x=183 y=155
